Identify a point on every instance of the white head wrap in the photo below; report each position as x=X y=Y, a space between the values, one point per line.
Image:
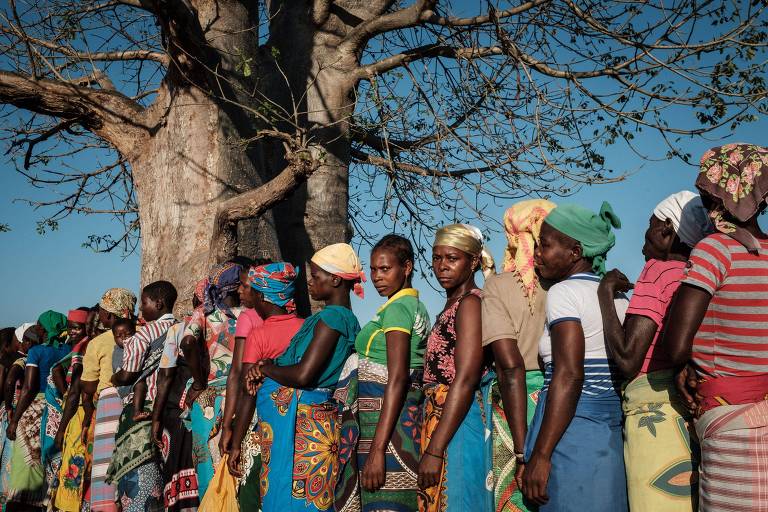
x=688 y=216
x=22 y=330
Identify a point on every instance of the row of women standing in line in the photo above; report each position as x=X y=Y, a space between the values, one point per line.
x=387 y=450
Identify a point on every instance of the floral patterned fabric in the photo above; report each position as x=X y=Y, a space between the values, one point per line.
x=74 y=475
x=439 y=362
x=735 y=176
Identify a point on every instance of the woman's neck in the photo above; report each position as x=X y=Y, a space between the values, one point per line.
x=339 y=299
x=580 y=267
x=462 y=289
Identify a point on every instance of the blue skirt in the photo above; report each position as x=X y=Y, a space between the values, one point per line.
x=588 y=462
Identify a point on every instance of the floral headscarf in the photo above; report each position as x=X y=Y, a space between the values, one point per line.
x=522 y=222
x=735 y=177
x=277 y=282
x=119 y=302
x=223 y=280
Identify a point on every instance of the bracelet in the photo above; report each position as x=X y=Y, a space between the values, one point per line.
x=520 y=457
x=433 y=455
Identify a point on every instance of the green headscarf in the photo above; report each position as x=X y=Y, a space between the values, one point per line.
x=591 y=230
x=55 y=324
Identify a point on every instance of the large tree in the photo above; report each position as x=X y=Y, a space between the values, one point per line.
x=200 y=114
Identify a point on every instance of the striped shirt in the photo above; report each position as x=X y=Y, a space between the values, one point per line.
x=575 y=300
x=136 y=349
x=651 y=298
x=731 y=340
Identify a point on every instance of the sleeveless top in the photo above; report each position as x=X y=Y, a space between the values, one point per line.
x=440 y=359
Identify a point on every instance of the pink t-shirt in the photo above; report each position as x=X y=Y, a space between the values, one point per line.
x=651 y=298
x=247 y=320
x=272 y=338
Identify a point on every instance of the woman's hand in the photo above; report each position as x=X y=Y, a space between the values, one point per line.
x=374 y=472
x=614 y=281
x=430 y=468
x=192 y=395
x=157 y=434
x=686 y=383
x=535 y=479
x=10 y=432
x=233 y=462
x=519 y=472
x=255 y=377
x=86 y=427
x=225 y=439
x=58 y=441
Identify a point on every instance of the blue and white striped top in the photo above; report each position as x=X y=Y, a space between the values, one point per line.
x=575 y=299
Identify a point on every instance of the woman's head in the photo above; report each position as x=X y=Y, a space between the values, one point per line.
x=77 y=324
x=335 y=269
x=157 y=299
x=221 y=291
x=53 y=325
x=7 y=341
x=27 y=335
x=392 y=262
x=116 y=303
x=678 y=223
x=245 y=292
x=457 y=253
x=122 y=329
x=574 y=239
x=733 y=181
x=274 y=286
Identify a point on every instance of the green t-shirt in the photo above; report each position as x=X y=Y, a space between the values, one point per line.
x=402 y=312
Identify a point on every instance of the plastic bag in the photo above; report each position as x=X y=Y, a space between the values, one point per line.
x=221 y=495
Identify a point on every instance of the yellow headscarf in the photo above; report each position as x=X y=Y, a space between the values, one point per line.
x=522 y=222
x=468 y=239
x=341 y=260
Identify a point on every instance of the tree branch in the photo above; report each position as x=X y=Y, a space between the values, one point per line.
x=109 y=114
x=409 y=17
x=453 y=21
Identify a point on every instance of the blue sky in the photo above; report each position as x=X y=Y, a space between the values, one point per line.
x=54 y=271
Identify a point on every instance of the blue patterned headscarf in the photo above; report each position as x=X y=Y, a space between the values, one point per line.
x=277 y=282
x=223 y=280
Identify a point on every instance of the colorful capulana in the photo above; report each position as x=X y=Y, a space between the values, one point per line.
x=276 y=282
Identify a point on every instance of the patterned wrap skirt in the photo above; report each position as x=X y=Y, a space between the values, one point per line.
x=74 y=479
x=466 y=480
x=361 y=393
x=108 y=410
x=733 y=474
x=299 y=435
x=660 y=447
x=27 y=479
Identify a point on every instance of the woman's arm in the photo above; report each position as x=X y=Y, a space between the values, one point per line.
x=59 y=377
x=28 y=392
x=688 y=309
x=305 y=373
x=562 y=398
x=165 y=378
x=628 y=343
x=468 y=361
x=233 y=389
x=510 y=370
x=398 y=361
x=15 y=374
x=245 y=405
x=71 y=402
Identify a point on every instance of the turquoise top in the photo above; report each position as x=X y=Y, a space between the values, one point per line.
x=341 y=320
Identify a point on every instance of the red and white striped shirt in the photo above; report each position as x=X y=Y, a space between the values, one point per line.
x=136 y=349
x=732 y=340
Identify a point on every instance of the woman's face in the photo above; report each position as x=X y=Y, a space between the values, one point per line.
x=41 y=332
x=320 y=283
x=555 y=254
x=246 y=292
x=76 y=331
x=388 y=275
x=658 y=239
x=452 y=267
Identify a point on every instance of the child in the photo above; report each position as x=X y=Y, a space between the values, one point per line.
x=122 y=329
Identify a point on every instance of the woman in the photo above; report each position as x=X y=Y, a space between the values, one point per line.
x=721 y=319
x=63 y=381
x=513 y=308
x=96 y=387
x=24 y=338
x=574 y=456
x=661 y=470
x=213 y=327
x=452 y=474
x=382 y=395
x=297 y=418
x=27 y=484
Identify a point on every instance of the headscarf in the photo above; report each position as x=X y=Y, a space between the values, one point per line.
x=591 y=230
x=119 y=302
x=24 y=329
x=277 y=282
x=223 y=280
x=735 y=177
x=469 y=239
x=55 y=325
x=341 y=260
x=687 y=214
x=78 y=316
x=522 y=222
x=200 y=289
